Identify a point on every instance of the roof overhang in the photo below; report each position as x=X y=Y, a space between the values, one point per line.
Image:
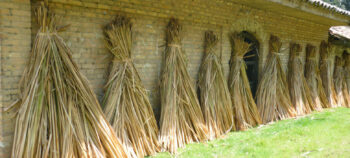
x=309 y=10
x=340 y=35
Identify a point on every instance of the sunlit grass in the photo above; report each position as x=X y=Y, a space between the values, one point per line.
x=324 y=134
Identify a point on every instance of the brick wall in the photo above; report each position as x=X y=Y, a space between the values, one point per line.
x=85 y=38
x=15 y=43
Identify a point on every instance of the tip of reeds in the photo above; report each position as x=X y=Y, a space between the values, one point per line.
x=48 y=21
x=173 y=31
x=325 y=49
x=310 y=51
x=119 y=21
x=235 y=36
x=324 y=44
x=43 y=15
x=275 y=44
x=210 y=41
x=295 y=49
x=232 y=36
x=118 y=35
x=239 y=46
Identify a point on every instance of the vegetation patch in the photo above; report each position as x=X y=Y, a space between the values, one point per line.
x=320 y=134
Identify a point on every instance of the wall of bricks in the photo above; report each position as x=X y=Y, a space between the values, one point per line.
x=85 y=37
x=15 y=43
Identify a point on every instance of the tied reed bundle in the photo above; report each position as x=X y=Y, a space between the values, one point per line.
x=326 y=72
x=245 y=109
x=59 y=115
x=346 y=57
x=313 y=78
x=181 y=119
x=214 y=94
x=126 y=103
x=339 y=82
x=273 y=98
x=298 y=88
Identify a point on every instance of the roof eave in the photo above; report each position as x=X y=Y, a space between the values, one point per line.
x=317 y=8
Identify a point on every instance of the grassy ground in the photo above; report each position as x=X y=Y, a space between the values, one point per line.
x=324 y=134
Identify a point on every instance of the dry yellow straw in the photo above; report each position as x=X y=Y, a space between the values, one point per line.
x=339 y=82
x=299 y=90
x=346 y=57
x=59 y=116
x=214 y=94
x=313 y=78
x=181 y=118
x=126 y=103
x=245 y=109
x=273 y=98
x=326 y=70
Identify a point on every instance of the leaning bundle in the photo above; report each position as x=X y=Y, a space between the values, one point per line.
x=59 y=115
x=326 y=72
x=273 y=98
x=339 y=81
x=313 y=78
x=298 y=88
x=181 y=119
x=214 y=94
x=126 y=103
x=246 y=111
x=346 y=57
x=346 y=94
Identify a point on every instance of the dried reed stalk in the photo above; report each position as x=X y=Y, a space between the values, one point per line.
x=313 y=78
x=59 y=116
x=326 y=70
x=346 y=95
x=214 y=93
x=339 y=82
x=181 y=119
x=126 y=103
x=245 y=109
x=346 y=57
x=298 y=88
x=273 y=98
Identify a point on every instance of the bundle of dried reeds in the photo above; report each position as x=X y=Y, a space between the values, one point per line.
x=245 y=109
x=339 y=82
x=214 y=94
x=273 y=98
x=346 y=94
x=59 y=115
x=126 y=103
x=313 y=78
x=181 y=119
x=327 y=72
x=298 y=88
x=346 y=57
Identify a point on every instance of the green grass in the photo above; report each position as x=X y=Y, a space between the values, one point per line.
x=324 y=134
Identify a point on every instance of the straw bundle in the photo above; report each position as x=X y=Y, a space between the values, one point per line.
x=246 y=111
x=214 y=94
x=59 y=115
x=313 y=78
x=346 y=94
x=346 y=57
x=340 y=83
x=181 y=119
x=326 y=72
x=273 y=98
x=126 y=103
x=298 y=88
